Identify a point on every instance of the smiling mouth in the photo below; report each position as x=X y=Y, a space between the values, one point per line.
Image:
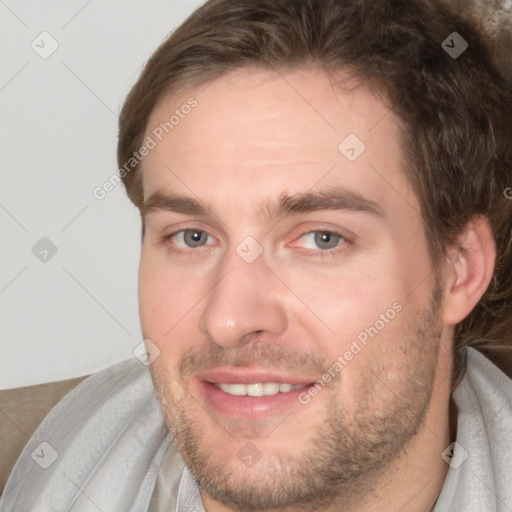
x=258 y=389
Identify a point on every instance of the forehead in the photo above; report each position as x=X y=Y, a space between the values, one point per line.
x=254 y=132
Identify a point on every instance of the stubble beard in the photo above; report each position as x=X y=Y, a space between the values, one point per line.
x=343 y=461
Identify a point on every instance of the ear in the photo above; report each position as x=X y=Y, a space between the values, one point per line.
x=468 y=270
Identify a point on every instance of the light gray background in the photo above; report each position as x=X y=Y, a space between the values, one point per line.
x=77 y=312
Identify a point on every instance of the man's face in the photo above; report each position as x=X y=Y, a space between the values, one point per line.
x=326 y=310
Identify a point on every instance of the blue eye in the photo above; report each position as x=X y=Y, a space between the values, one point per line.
x=324 y=239
x=319 y=243
x=331 y=244
x=192 y=238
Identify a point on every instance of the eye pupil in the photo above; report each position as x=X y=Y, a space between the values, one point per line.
x=324 y=237
x=193 y=238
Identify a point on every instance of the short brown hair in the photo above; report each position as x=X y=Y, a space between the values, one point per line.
x=456 y=113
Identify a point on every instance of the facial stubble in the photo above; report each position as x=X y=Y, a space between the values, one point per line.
x=343 y=461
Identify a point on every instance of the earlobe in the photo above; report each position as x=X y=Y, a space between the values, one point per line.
x=469 y=269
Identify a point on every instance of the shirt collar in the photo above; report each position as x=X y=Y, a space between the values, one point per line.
x=189 y=498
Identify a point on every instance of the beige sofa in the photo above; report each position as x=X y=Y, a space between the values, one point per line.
x=21 y=411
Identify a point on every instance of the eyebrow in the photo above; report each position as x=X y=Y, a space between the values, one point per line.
x=338 y=198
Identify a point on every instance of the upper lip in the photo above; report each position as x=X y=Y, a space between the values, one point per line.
x=244 y=375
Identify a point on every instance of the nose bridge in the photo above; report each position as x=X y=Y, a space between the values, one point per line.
x=244 y=298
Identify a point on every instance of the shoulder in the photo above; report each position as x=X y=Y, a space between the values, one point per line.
x=484 y=386
x=480 y=474
x=484 y=402
x=104 y=436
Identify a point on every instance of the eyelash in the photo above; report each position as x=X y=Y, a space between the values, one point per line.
x=345 y=243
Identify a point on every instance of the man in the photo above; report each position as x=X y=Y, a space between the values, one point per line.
x=326 y=241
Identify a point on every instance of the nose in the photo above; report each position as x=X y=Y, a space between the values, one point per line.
x=245 y=299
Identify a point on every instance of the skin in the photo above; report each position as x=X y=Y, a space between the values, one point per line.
x=372 y=438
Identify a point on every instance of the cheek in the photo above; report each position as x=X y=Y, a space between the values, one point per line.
x=166 y=300
x=376 y=366
x=154 y=299
x=369 y=314
x=349 y=300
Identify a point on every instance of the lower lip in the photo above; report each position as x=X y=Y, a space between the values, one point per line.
x=250 y=407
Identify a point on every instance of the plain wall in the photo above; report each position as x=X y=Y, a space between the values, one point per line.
x=74 y=312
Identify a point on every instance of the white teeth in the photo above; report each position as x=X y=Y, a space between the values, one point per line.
x=254 y=389
x=271 y=388
x=257 y=389
x=234 y=389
